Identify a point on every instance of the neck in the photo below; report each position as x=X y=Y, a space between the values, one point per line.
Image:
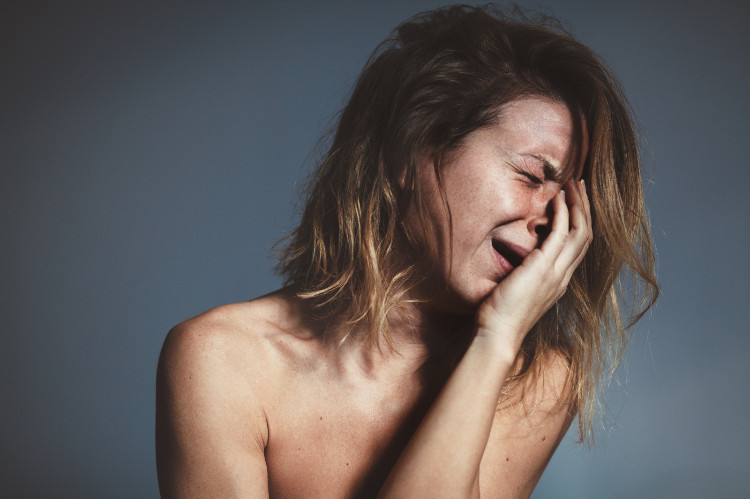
x=421 y=335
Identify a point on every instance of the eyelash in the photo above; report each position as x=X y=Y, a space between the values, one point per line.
x=533 y=178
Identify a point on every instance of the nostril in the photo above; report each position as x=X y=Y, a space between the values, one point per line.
x=542 y=231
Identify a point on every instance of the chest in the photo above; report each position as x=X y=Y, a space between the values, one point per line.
x=328 y=440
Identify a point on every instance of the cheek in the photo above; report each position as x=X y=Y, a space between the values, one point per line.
x=497 y=202
x=517 y=200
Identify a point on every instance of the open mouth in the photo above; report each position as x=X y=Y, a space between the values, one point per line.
x=513 y=257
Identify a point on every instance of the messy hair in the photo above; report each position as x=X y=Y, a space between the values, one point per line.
x=441 y=76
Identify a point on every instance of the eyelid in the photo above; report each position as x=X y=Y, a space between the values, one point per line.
x=534 y=179
x=550 y=172
x=524 y=172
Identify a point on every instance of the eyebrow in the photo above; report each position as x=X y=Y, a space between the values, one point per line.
x=550 y=172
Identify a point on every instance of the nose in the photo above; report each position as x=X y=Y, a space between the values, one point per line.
x=540 y=218
x=539 y=227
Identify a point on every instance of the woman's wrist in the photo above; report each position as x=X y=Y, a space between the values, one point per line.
x=497 y=349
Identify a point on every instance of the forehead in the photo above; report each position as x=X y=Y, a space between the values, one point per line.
x=543 y=130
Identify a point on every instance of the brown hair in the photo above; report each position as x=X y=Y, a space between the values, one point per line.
x=441 y=76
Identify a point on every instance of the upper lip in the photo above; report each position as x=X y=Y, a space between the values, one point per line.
x=510 y=251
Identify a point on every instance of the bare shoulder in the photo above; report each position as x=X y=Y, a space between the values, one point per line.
x=530 y=422
x=220 y=334
x=234 y=339
x=222 y=346
x=544 y=392
x=211 y=427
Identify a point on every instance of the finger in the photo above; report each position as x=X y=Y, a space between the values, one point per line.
x=580 y=235
x=587 y=212
x=577 y=206
x=586 y=202
x=580 y=216
x=555 y=241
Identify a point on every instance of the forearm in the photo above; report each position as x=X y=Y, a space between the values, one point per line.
x=442 y=458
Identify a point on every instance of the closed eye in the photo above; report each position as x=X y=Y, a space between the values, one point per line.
x=533 y=178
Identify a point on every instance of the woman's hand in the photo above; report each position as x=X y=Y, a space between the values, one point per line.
x=521 y=299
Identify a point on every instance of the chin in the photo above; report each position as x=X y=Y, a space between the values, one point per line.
x=480 y=295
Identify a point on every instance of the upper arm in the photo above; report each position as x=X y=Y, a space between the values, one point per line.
x=210 y=427
x=525 y=433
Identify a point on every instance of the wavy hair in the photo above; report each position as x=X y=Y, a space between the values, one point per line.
x=441 y=76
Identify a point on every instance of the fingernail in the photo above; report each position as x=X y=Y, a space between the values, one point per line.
x=583 y=184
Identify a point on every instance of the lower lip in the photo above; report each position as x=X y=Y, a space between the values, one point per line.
x=502 y=262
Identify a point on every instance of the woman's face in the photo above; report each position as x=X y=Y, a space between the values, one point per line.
x=499 y=185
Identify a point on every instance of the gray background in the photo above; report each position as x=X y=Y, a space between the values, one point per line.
x=152 y=152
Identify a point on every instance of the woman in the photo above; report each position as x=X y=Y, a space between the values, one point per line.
x=451 y=299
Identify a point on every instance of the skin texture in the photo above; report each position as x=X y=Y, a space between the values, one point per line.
x=254 y=399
